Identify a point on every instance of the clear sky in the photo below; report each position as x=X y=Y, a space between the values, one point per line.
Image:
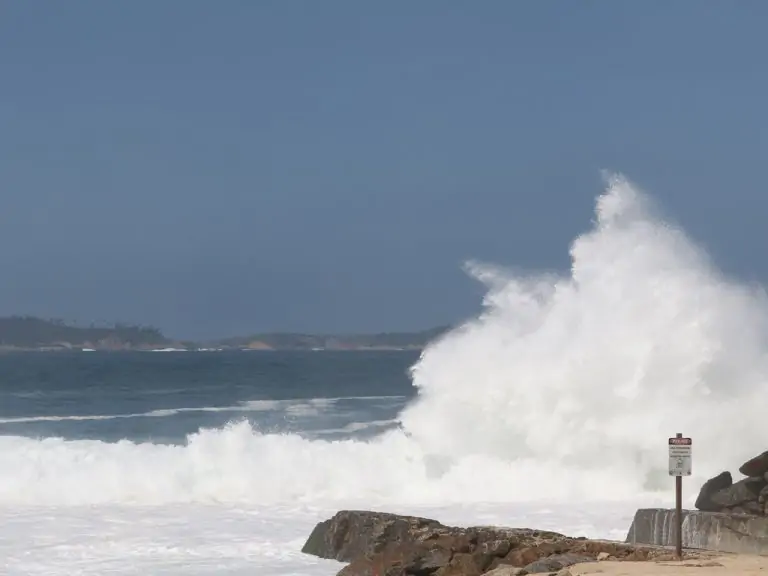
x=217 y=168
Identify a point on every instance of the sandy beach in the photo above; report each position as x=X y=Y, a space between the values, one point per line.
x=732 y=565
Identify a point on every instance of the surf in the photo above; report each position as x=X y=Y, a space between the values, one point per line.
x=565 y=386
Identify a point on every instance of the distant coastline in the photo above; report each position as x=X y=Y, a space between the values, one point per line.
x=33 y=334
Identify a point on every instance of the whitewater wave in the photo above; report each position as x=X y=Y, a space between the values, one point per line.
x=358 y=427
x=564 y=387
x=293 y=407
x=237 y=464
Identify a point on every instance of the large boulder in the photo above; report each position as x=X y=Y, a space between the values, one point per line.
x=381 y=544
x=712 y=486
x=351 y=534
x=757 y=466
x=739 y=494
x=720 y=494
x=555 y=563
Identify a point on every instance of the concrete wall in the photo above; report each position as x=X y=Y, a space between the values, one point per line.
x=707 y=530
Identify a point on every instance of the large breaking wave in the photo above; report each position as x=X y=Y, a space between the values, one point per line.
x=565 y=386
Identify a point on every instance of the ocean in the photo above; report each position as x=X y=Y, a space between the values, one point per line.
x=550 y=409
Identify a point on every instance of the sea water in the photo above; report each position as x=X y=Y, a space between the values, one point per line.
x=550 y=409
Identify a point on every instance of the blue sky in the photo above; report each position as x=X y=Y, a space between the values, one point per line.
x=217 y=168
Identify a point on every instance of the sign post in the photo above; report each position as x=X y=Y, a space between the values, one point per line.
x=679 y=466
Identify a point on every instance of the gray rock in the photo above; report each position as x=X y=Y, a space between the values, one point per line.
x=752 y=508
x=354 y=533
x=710 y=487
x=495 y=547
x=430 y=560
x=556 y=562
x=757 y=466
x=747 y=490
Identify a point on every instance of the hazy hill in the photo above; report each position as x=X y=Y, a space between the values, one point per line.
x=301 y=341
x=32 y=333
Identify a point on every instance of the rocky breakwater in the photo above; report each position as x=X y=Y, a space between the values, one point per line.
x=381 y=544
x=747 y=496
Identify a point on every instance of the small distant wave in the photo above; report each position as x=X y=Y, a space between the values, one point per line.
x=27 y=394
x=294 y=407
x=359 y=427
x=24 y=419
x=168 y=350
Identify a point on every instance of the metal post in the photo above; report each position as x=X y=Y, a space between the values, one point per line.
x=679 y=513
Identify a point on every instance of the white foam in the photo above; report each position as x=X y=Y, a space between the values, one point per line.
x=580 y=377
x=197 y=540
x=592 y=371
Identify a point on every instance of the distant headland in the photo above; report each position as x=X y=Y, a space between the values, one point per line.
x=29 y=333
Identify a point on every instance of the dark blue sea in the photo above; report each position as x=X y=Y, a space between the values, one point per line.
x=162 y=397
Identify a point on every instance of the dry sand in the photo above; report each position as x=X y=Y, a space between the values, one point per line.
x=729 y=564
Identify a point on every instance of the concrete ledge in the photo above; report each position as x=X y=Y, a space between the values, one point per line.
x=737 y=533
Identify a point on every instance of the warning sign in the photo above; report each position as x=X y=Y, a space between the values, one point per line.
x=680 y=456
